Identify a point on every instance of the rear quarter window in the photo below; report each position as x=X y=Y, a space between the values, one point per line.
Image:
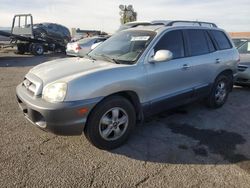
x=221 y=40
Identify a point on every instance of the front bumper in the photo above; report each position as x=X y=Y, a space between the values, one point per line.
x=243 y=77
x=60 y=118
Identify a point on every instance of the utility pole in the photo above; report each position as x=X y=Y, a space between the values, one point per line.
x=127 y=14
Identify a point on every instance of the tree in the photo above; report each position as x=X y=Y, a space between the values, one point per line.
x=127 y=14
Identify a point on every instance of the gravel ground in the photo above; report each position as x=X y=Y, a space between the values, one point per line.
x=187 y=147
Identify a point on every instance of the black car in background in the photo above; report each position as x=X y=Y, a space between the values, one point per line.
x=52 y=32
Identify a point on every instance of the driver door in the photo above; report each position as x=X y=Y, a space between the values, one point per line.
x=169 y=83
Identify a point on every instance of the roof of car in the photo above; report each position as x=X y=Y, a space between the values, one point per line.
x=160 y=28
x=48 y=23
x=159 y=25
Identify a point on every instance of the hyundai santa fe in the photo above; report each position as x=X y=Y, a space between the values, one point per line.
x=134 y=74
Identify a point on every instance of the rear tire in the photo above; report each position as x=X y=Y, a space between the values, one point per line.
x=37 y=49
x=220 y=90
x=110 y=123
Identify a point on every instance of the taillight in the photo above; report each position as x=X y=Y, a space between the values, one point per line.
x=78 y=47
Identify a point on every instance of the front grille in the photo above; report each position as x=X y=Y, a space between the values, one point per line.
x=29 y=85
x=32 y=84
x=242 y=68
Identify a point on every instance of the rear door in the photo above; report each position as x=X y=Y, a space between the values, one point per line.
x=201 y=58
x=226 y=56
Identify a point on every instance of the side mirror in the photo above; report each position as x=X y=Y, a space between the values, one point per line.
x=162 y=55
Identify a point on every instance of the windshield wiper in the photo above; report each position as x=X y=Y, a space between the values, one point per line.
x=109 y=58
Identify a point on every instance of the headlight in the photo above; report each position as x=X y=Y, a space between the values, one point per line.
x=55 y=92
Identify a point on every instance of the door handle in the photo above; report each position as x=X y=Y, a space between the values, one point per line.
x=218 y=61
x=185 y=66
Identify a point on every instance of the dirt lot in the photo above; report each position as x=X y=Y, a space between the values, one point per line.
x=189 y=147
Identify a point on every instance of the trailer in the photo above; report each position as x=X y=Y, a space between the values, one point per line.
x=23 y=37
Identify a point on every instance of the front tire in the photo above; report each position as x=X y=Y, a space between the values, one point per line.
x=110 y=123
x=219 y=92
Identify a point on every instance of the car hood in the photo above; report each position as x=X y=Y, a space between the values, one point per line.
x=245 y=59
x=68 y=68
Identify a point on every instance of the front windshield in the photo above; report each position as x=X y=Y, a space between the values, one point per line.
x=124 y=47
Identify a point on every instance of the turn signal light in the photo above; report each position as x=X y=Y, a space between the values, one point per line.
x=82 y=111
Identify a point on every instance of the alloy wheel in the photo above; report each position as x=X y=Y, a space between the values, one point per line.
x=113 y=124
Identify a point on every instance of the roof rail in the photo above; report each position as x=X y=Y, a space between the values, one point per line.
x=172 y=22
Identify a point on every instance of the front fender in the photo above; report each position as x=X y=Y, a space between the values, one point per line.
x=108 y=82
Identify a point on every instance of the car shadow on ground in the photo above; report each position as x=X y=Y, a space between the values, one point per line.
x=14 y=60
x=161 y=139
x=151 y=145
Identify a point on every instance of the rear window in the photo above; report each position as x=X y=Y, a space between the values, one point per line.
x=197 y=42
x=221 y=40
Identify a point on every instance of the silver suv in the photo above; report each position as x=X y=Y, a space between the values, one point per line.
x=134 y=74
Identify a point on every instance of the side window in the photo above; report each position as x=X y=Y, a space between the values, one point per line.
x=102 y=40
x=50 y=26
x=210 y=43
x=53 y=27
x=59 y=28
x=98 y=40
x=197 y=42
x=221 y=40
x=172 y=41
x=66 y=32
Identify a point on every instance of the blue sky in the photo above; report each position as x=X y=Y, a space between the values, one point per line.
x=232 y=15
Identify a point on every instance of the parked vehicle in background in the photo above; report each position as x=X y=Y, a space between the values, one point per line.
x=243 y=78
x=36 y=38
x=3 y=38
x=239 y=41
x=135 y=73
x=83 y=46
x=52 y=32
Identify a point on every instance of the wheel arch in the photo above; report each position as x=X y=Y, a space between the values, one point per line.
x=229 y=73
x=132 y=97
